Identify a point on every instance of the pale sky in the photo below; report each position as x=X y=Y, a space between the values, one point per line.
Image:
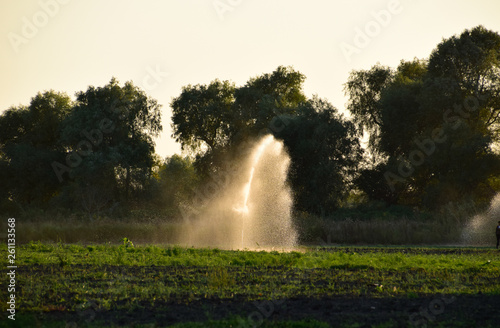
x=67 y=45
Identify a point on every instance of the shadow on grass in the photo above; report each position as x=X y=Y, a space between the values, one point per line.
x=430 y=311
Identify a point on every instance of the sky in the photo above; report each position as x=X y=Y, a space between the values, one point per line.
x=69 y=45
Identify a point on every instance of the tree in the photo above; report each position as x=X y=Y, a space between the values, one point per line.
x=325 y=152
x=202 y=115
x=29 y=143
x=384 y=105
x=264 y=97
x=469 y=68
x=177 y=179
x=432 y=122
x=212 y=120
x=109 y=138
x=364 y=89
x=463 y=87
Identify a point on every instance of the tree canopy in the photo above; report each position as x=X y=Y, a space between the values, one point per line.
x=87 y=154
x=29 y=142
x=433 y=123
x=324 y=152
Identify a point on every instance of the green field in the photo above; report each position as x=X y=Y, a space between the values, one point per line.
x=105 y=285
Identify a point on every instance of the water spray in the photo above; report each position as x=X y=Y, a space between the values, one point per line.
x=246 y=188
x=261 y=199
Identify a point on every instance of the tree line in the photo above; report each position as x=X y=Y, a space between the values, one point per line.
x=432 y=127
x=88 y=154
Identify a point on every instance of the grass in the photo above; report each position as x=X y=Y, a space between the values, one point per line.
x=125 y=284
x=349 y=226
x=379 y=258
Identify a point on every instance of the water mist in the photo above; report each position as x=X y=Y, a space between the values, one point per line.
x=480 y=230
x=254 y=208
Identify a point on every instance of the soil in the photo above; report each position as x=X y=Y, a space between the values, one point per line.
x=481 y=310
x=406 y=250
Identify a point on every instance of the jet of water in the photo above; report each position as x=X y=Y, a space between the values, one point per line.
x=254 y=209
x=256 y=156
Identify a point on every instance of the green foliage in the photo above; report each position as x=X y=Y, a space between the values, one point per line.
x=324 y=152
x=177 y=179
x=85 y=155
x=120 y=123
x=127 y=242
x=364 y=88
x=264 y=97
x=433 y=124
x=202 y=115
x=29 y=143
x=214 y=120
x=463 y=80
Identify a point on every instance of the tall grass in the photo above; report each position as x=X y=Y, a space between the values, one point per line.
x=318 y=231
x=114 y=231
x=399 y=226
x=382 y=232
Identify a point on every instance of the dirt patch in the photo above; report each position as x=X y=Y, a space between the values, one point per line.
x=405 y=250
x=480 y=310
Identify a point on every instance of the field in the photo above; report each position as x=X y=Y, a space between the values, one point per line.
x=115 y=285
